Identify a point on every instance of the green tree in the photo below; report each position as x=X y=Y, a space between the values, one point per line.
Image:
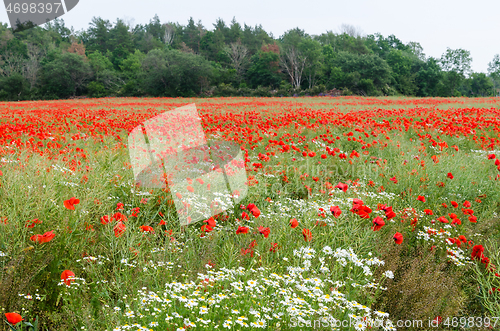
x=264 y=69
x=96 y=38
x=174 y=73
x=64 y=75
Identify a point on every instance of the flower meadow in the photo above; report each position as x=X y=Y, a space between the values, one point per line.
x=360 y=213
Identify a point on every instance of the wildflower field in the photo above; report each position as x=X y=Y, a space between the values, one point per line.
x=360 y=214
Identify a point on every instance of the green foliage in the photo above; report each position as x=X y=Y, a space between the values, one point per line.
x=174 y=73
x=349 y=61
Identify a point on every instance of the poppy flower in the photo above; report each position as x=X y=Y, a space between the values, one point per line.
x=394 y=180
x=454 y=204
x=13 y=318
x=119 y=229
x=477 y=252
x=312 y=154
x=274 y=247
x=294 y=223
x=467 y=204
x=450 y=175
x=255 y=212
x=43 y=238
x=473 y=219
x=389 y=213
x=119 y=206
x=336 y=211
x=105 y=219
x=428 y=212
x=378 y=223
x=249 y=207
x=119 y=217
x=32 y=223
x=190 y=188
x=264 y=231
x=398 y=238
x=443 y=219
x=342 y=186
x=245 y=216
x=491 y=156
x=444 y=205
x=421 y=198
x=162 y=222
x=135 y=212
x=210 y=222
x=307 y=234
x=70 y=204
x=146 y=228
x=206 y=228
x=67 y=277
x=242 y=229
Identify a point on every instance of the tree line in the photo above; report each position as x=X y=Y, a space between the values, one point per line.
x=173 y=60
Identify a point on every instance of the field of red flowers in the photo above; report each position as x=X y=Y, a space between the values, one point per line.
x=372 y=212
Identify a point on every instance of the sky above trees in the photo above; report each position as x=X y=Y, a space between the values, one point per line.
x=436 y=25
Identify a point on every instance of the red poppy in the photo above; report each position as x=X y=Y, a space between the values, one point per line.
x=491 y=156
x=477 y=252
x=450 y=175
x=473 y=219
x=398 y=238
x=249 y=207
x=336 y=211
x=119 y=229
x=210 y=222
x=342 y=186
x=294 y=223
x=274 y=247
x=394 y=180
x=428 y=212
x=105 y=219
x=421 y=198
x=43 y=238
x=378 y=223
x=119 y=206
x=312 y=154
x=70 y=204
x=444 y=205
x=13 y=318
x=467 y=204
x=454 y=204
x=264 y=231
x=245 y=216
x=190 y=189
x=206 y=228
x=242 y=229
x=135 y=212
x=255 y=212
x=307 y=234
x=389 y=213
x=146 y=228
x=32 y=223
x=119 y=217
x=162 y=222
x=67 y=277
x=443 y=219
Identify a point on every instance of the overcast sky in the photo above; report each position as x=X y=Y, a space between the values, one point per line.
x=436 y=24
